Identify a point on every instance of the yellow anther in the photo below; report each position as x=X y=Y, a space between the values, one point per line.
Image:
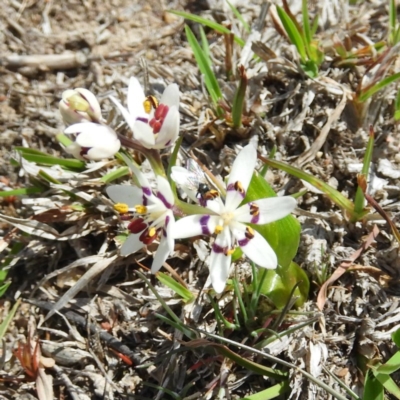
x=218 y=229
x=152 y=231
x=150 y=103
x=239 y=187
x=254 y=209
x=249 y=232
x=229 y=252
x=140 y=209
x=121 y=208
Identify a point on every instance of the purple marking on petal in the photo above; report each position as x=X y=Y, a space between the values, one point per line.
x=243 y=242
x=168 y=143
x=255 y=219
x=142 y=119
x=166 y=221
x=164 y=200
x=146 y=191
x=236 y=187
x=84 y=151
x=204 y=225
x=218 y=249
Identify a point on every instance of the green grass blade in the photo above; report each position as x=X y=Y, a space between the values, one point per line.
x=373 y=389
x=392 y=21
x=45 y=159
x=113 y=175
x=239 y=99
x=205 y=46
x=4 y=325
x=21 y=192
x=211 y=24
x=332 y=193
x=365 y=95
x=306 y=24
x=202 y=62
x=388 y=383
x=359 y=200
x=270 y=393
x=239 y=17
x=179 y=289
x=397 y=107
x=293 y=33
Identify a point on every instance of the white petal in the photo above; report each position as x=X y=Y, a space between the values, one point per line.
x=270 y=209
x=131 y=245
x=136 y=98
x=161 y=255
x=164 y=191
x=143 y=133
x=169 y=130
x=75 y=150
x=92 y=100
x=103 y=151
x=143 y=182
x=242 y=171
x=130 y=120
x=194 y=225
x=81 y=126
x=130 y=195
x=93 y=135
x=219 y=262
x=257 y=249
x=216 y=205
x=170 y=96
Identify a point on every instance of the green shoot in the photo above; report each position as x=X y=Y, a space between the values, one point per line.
x=206 y=22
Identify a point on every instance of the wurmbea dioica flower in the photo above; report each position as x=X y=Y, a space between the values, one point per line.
x=80 y=109
x=79 y=105
x=154 y=124
x=150 y=216
x=229 y=221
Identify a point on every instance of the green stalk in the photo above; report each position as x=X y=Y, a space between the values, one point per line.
x=359 y=200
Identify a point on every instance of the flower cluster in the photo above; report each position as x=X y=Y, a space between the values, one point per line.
x=148 y=211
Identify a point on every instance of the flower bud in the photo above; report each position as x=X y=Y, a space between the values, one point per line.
x=79 y=105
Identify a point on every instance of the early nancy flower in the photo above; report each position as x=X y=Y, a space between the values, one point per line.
x=229 y=221
x=92 y=141
x=154 y=124
x=79 y=105
x=150 y=216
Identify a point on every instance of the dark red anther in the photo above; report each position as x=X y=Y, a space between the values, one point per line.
x=137 y=225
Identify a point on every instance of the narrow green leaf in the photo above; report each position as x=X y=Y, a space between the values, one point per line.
x=3 y=288
x=179 y=289
x=21 y=192
x=270 y=393
x=366 y=94
x=390 y=366
x=293 y=33
x=63 y=139
x=396 y=338
x=359 y=200
x=211 y=24
x=202 y=62
x=239 y=99
x=332 y=193
x=397 y=107
x=314 y=26
x=113 y=175
x=204 y=45
x=392 y=21
x=373 y=389
x=239 y=16
x=7 y=320
x=388 y=383
x=306 y=24
x=48 y=178
x=45 y=159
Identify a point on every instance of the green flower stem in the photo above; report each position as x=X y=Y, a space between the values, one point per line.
x=152 y=155
x=190 y=209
